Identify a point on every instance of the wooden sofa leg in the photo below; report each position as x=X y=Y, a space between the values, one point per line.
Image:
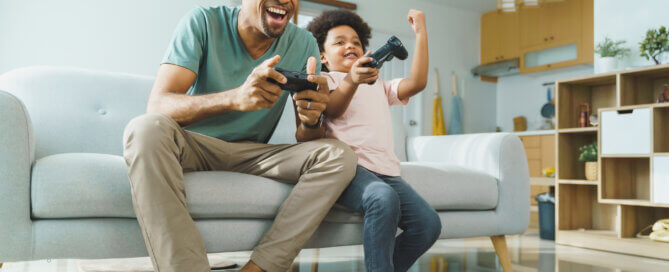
x=499 y=242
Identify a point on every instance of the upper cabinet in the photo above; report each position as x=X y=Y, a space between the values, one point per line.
x=548 y=24
x=552 y=35
x=499 y=36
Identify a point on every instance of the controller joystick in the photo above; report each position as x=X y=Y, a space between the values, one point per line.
x=296 y=81
x=392 y=49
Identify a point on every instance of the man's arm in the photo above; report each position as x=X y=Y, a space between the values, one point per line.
x=417 y=79
x=168 y=94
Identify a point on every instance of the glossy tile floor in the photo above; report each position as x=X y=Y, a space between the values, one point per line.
x=528 y=253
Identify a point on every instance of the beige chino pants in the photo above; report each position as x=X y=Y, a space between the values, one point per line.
x=158 y=151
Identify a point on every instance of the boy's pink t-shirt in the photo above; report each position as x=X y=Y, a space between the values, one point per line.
x=366 y=125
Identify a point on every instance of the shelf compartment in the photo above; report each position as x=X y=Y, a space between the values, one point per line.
x=625 y=178
x=578 y=209
x=660 y=186
x=642 y=86
x=568 y=144
x=635 y=218
x=661 y=129
x=599 y=92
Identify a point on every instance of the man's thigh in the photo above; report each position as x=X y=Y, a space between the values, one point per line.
x=283 y=162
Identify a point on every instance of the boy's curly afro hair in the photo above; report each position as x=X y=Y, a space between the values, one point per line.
x=320 y=26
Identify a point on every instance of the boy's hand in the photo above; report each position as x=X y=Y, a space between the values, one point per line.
x=311 y=103
x=361 y=74
x=417 y=20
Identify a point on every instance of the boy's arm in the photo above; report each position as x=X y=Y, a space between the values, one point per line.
x=417 y=79
x=341 y=97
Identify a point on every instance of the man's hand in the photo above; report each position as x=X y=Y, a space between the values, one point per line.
x=311 y=103
x=256 y=92
x=417 y=20
x=360 y=74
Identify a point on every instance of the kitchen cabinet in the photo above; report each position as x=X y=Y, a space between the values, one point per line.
x=553 y=35
x=540 y=152
x=499 y=36
x=550 y=24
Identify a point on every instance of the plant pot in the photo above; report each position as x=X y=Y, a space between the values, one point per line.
x=591 y=171
x=607 y=64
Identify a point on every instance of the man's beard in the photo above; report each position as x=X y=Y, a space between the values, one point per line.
x=268 y=31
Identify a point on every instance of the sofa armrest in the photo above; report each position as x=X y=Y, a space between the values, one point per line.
x=17 y=153
x=500 y=155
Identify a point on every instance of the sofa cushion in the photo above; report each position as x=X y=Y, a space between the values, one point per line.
x=448 y=187
x=81 y=185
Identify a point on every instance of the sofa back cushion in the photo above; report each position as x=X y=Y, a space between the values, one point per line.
x=76 y=110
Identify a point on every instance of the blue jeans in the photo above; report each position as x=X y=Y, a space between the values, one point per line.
x=387 y=203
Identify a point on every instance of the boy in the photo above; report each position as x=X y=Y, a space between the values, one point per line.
x=359 y=115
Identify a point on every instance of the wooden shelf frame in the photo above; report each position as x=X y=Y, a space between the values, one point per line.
x=607 y=214
x=578 y=182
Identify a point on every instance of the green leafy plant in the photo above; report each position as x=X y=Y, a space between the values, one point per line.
x=610 y=48
x=656 y=43
x=588 y=153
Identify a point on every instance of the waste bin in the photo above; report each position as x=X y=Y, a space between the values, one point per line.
x=546 y=215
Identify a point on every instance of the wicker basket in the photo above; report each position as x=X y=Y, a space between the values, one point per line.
x=591 y=171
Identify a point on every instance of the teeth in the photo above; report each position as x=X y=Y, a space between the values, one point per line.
x=277 y=11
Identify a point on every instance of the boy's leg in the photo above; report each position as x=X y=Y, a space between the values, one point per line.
x=380 y=205
x=419 y=221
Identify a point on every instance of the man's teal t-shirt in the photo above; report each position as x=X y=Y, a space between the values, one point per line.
x=206 y=42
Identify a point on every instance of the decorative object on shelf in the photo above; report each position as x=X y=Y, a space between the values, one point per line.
x=589 y=156
x=594 y=120
x=660 y=231
x=520 y=123
x=610 y=51
x=656 y=43
x=664 y=94
x=548 y=172
x=584 y=115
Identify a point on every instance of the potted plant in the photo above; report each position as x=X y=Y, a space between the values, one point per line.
x=589 y=156
x=610 y=51
x=655 y=44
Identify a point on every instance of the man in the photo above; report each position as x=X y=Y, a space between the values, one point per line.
x=213 y=108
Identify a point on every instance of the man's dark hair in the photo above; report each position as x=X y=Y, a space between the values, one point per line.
x=320 y=26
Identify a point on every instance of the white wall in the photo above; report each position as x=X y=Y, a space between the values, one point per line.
x=629 y=20
x=524 y=95
x=454 y=42
x=131 y=36
x=120 y=36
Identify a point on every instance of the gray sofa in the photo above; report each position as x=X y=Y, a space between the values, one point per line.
x=64 y=189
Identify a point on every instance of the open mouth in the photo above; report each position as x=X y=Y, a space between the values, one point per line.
x=351 y=55
x=276 y=13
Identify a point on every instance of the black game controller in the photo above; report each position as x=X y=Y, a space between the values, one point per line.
x=392 y=48
x=296 y=81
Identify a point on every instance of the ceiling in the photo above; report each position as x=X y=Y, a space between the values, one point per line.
x=474 y=5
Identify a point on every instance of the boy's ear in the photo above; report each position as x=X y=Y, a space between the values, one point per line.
x=323 y=59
